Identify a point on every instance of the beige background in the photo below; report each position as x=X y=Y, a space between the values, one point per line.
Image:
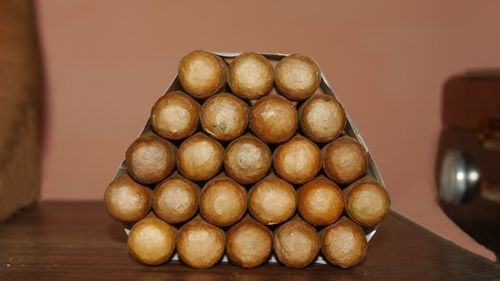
x=108 y=61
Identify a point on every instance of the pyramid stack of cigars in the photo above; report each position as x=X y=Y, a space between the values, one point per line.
x=249 y=158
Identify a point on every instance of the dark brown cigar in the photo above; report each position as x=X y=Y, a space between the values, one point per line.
x=200 y=157
x=344 y=160
x=151 y=241
x=247 y=159
x=175 y=116
x=175 y=199
x=297 y=77
x=200 y=244
x=223 y=201
x=273 y=119
x=249 y=243
x=296 y=243
x=344 y=243
x=322 y=118
x=251 y=75
x=298 y=160
x=366 y=202
x=224 y=116
x=126 y=200
x=150 y=158
x=202 y=74
x=272 y=200
x=321 y=202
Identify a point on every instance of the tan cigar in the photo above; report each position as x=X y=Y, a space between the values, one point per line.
x=251 y=75
x=344 y=243
x=272 y=200
x=150 y=158
x=273 y=119
x=366 y=202
x=247 y=159
x=200 y=244
x=322 y=118
x=224 y=116
x=202 y=74
x=321 y=202
x=344 y=160
x=126 y=200
x=298 y=160
x=297 y=77
x=175 y=116
x=151 y=241
x=249 y=243
x=200 y=157
x=175 y=200
x=223 y=201
x=296 y=243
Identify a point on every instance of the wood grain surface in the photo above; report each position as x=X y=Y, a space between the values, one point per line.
x=78 y=241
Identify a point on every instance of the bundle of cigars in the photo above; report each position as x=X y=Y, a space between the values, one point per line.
x=248 y=158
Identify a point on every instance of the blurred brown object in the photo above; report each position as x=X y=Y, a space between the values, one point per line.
x=471 y=100
x=21 y=93
x=468 y=157
x=470 y=138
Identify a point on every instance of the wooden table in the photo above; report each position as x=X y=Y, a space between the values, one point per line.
x=78 y=241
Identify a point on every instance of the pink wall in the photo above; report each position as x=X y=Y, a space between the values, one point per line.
x=108 y=61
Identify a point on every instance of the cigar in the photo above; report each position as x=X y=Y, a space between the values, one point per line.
x=127 y=200
x=151 y=241
x=175 y=116
x=321 y=202
x=247 y=159
x=224 y=116
x=344 y=243
x=366 y=202
x=322 y=118
x=251 y=75
x=150 y=158
x=223 y=201
x=249 y=243
x=200 y=244
x=298 y=160
x=344 y=160
x=200 y=157
x=272 y=200
x=273 y=119
x=296 y=243
x=202 y=74
x=297 y=77
x=175 y=200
